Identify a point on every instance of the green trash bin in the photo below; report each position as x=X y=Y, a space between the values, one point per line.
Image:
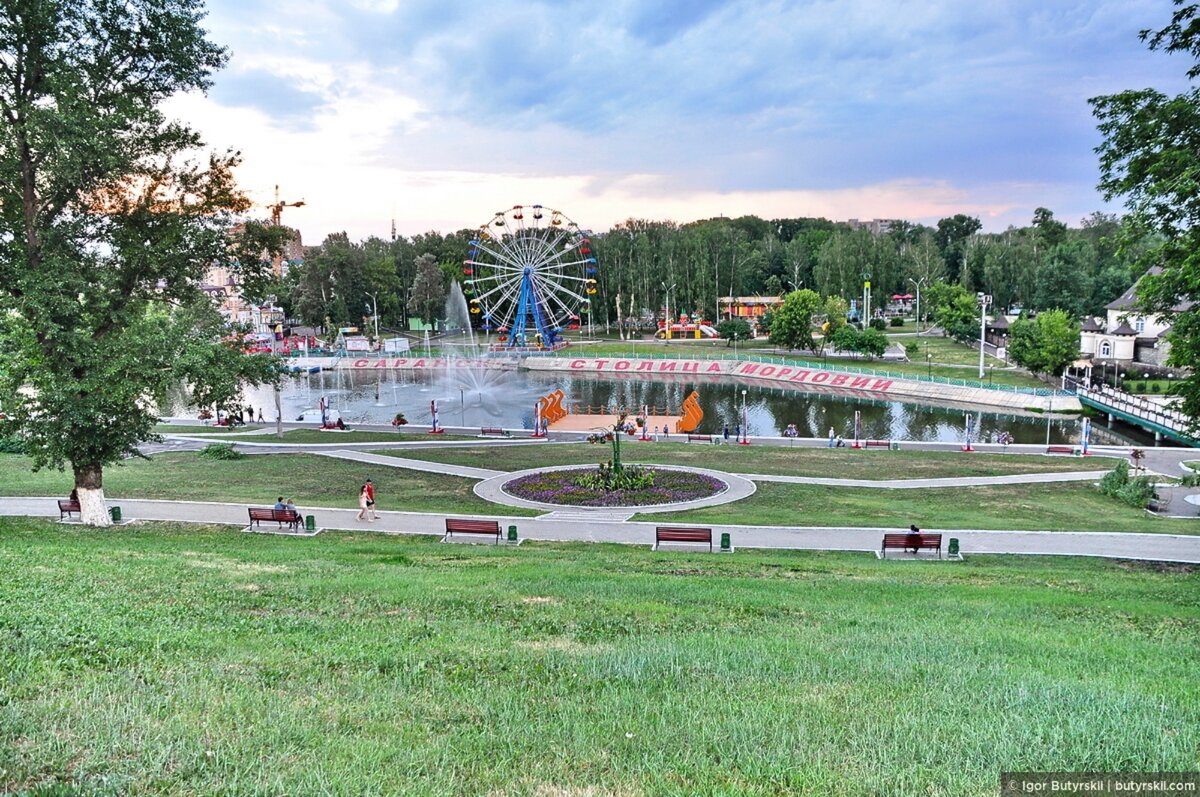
x=952 y=549
x=512 y=533
x=895 y=446
x=310 y=523
x=115 y=514
x=726 y=545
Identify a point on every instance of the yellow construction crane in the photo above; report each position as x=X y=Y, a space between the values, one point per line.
x=276 y=214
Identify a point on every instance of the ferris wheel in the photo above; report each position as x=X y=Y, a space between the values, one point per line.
x=530 y=275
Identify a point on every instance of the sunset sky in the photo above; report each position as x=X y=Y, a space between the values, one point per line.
x=441 y=113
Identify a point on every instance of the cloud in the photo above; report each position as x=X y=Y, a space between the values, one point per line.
x=830 y=107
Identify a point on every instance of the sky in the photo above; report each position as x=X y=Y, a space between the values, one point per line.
x=439 y=113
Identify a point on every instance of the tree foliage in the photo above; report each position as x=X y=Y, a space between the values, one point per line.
x=1151 y=156
x=1046 y=344
x=108 y=222
x=732 y=329
x=429 y=292
x=792 y=323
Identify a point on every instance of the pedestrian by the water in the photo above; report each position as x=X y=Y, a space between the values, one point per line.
x=725 y=432
x=260 y=417
x=832 y=437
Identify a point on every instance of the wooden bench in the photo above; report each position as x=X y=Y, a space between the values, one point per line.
x=67 y=507
x=681 y=534
x=904 y=542
x=463 y=526
x=1060 y=450
x=493 y=431
x=699 y=438
x=877 y=443
x=284 y=517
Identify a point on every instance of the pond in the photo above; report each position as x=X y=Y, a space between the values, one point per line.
x=507 y=398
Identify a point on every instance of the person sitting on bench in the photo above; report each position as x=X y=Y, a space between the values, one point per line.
x=913 y=539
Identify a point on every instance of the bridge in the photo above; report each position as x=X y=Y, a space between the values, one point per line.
x=1164 y=422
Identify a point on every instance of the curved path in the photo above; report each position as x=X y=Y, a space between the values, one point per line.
x=1152 y=547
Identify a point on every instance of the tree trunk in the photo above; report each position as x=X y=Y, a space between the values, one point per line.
x=88 y=486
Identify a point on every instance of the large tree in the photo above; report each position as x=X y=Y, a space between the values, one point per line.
x=1151 y=156
x=792 y=323
x=108 y=221
x=1047 y=344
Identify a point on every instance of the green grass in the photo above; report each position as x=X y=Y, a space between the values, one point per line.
x=307 y=479
x=1047 y=507
x=945 y=351
x=176 y=428
x=168 y=660
x=772 y=460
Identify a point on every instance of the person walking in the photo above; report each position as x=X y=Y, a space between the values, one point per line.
x=370 y=488
x=366 y=502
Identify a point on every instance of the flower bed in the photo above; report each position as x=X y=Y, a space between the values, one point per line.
x=558 y=487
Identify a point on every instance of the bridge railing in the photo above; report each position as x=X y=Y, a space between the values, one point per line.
x=1131 y=405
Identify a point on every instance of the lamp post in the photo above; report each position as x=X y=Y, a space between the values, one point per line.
x=1049 y=408
x=918 y=283
x=984 y=301
x=928 y=365
x=462 y=406
x=375 y=315
x=667 y=297
x=745 y=422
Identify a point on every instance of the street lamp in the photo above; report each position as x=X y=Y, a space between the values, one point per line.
x=984 y=301
x=928 y=365
x=462 y=406
x=745 y=422
x=918 y=283
x=667 y=296
x=375 y=315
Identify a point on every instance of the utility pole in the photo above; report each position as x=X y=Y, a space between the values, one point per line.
x=984 y=301
x=276 y=214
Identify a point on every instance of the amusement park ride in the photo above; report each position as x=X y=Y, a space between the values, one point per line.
x=530 y=274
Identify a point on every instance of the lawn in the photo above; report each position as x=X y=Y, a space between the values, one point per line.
x=170 y=660
x=773 y=460
x=1067 y=506
x=945 y=351
x=178 y=428
x=259 y=479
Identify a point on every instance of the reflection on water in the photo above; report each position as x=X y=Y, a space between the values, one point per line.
x=506 y=398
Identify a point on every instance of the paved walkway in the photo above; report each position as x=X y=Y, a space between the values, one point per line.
x=1153 y=547
x=921 y=484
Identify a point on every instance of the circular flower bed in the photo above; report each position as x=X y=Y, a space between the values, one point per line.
x=559 y=487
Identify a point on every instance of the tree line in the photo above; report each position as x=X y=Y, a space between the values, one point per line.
x=1044 y=265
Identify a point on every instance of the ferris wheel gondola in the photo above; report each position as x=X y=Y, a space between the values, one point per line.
x=530 y=273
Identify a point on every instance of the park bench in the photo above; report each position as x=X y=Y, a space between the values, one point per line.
x=463 y=526
x=877 y=443
x=1060 y=450
x=494 y=431
x=699 y=438
x=682 y=534
x=284 y=517
x=903 y=542
x=67 y=507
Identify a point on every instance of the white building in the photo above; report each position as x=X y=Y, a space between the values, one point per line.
x=1127 y=335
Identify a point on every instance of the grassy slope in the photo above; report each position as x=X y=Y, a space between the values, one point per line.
x=165 y=660
x=260 y=479
x=776 y=460
x=1046 y=507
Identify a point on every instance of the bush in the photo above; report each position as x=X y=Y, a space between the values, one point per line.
x=897 y=321
x=912 y=349
x=1155 y=387
x=221 y=451
x=878 y=323
x=12 y=445
x=1136 y=492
